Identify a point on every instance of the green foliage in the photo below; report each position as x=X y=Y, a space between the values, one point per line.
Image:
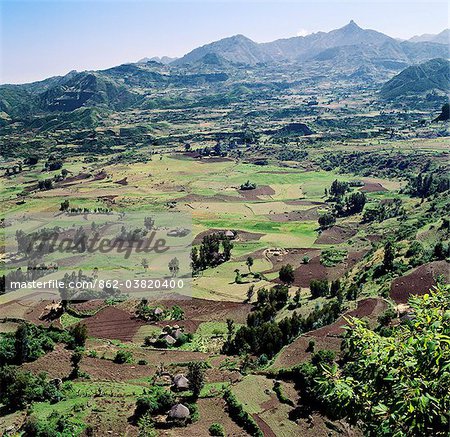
x=29 y=343
x=248 y=186
x=176 y=313
x=156 y=400
x=146 y=427
x=21 y=345
x=196 y=377
x=19 y=388
x=216 y=429
x=331 y=257
x=79 y=334
x=209 y=253
x=75 y=360
x=286 y=274
x=240 y=416
x=326 y=221
x=338 y=189
x=280 y=395
x=389 y=256
x=123 y=357
x=319 y=287
x=56 y=424
x=397 y=385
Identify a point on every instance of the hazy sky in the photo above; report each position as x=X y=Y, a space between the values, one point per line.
x=45 y=38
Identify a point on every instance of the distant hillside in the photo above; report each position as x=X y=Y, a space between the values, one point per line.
x=340 y=44
x=162 y=60
x=237 y=49
x=441 y=38
x=87 y=89
x=417 y=79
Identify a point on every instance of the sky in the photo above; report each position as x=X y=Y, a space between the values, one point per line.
x=39 y=39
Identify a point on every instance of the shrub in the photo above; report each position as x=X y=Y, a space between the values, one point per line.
x=155 y=401
x=240 y=416
x=319 y=287
x=323 y=357
x=19 y=388
x=311 y=346
x=216 y=429
x=123 y=357
x=280 y=395
x=410 y=361
x=326 y=221
x=79 y=335
x=196 y=377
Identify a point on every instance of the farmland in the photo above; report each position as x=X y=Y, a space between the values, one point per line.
x=310 y=201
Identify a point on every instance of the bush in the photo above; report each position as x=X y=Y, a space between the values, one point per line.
x=410 y=361
x=19 y=388
x=311 y=346
x=56 y=424
x=323 y=357
x=326 y=221
x=280 y=395
x=142 y=362
x=216 y=429
x=319 y=287
x=155 y=401
x=123 y=357
x=240 y=416
x=79 y=336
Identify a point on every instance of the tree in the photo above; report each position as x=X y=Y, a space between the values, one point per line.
x=123 y=357
x=338 y=189
x=439 y=251
x=249 y=263
x=196 y=377
x=319 y=287
x=79 y=334
x=335 y=287
x=21 y=345
x=297 y=297
x=286 y=274
x=149 y=222
x=326 y=221
x=144 y=263
x=389 y=256
x=64 y=205
x=174 y=267
x=216 y=429
x=250 y=293
x=262 y=296
x=238 y=277
x=75 y=360
x=354 y=203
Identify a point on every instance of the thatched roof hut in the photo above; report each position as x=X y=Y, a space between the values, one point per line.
x=179 y=412
x=180 y=382
x=169 y=339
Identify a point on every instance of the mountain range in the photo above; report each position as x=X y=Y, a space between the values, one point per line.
x=239 y=49
x=350 y=52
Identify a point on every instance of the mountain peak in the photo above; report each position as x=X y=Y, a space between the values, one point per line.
x=352 y=26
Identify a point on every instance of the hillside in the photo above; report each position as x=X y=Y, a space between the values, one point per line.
x=441 y=38
x=433 y=75
x=237 y=49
